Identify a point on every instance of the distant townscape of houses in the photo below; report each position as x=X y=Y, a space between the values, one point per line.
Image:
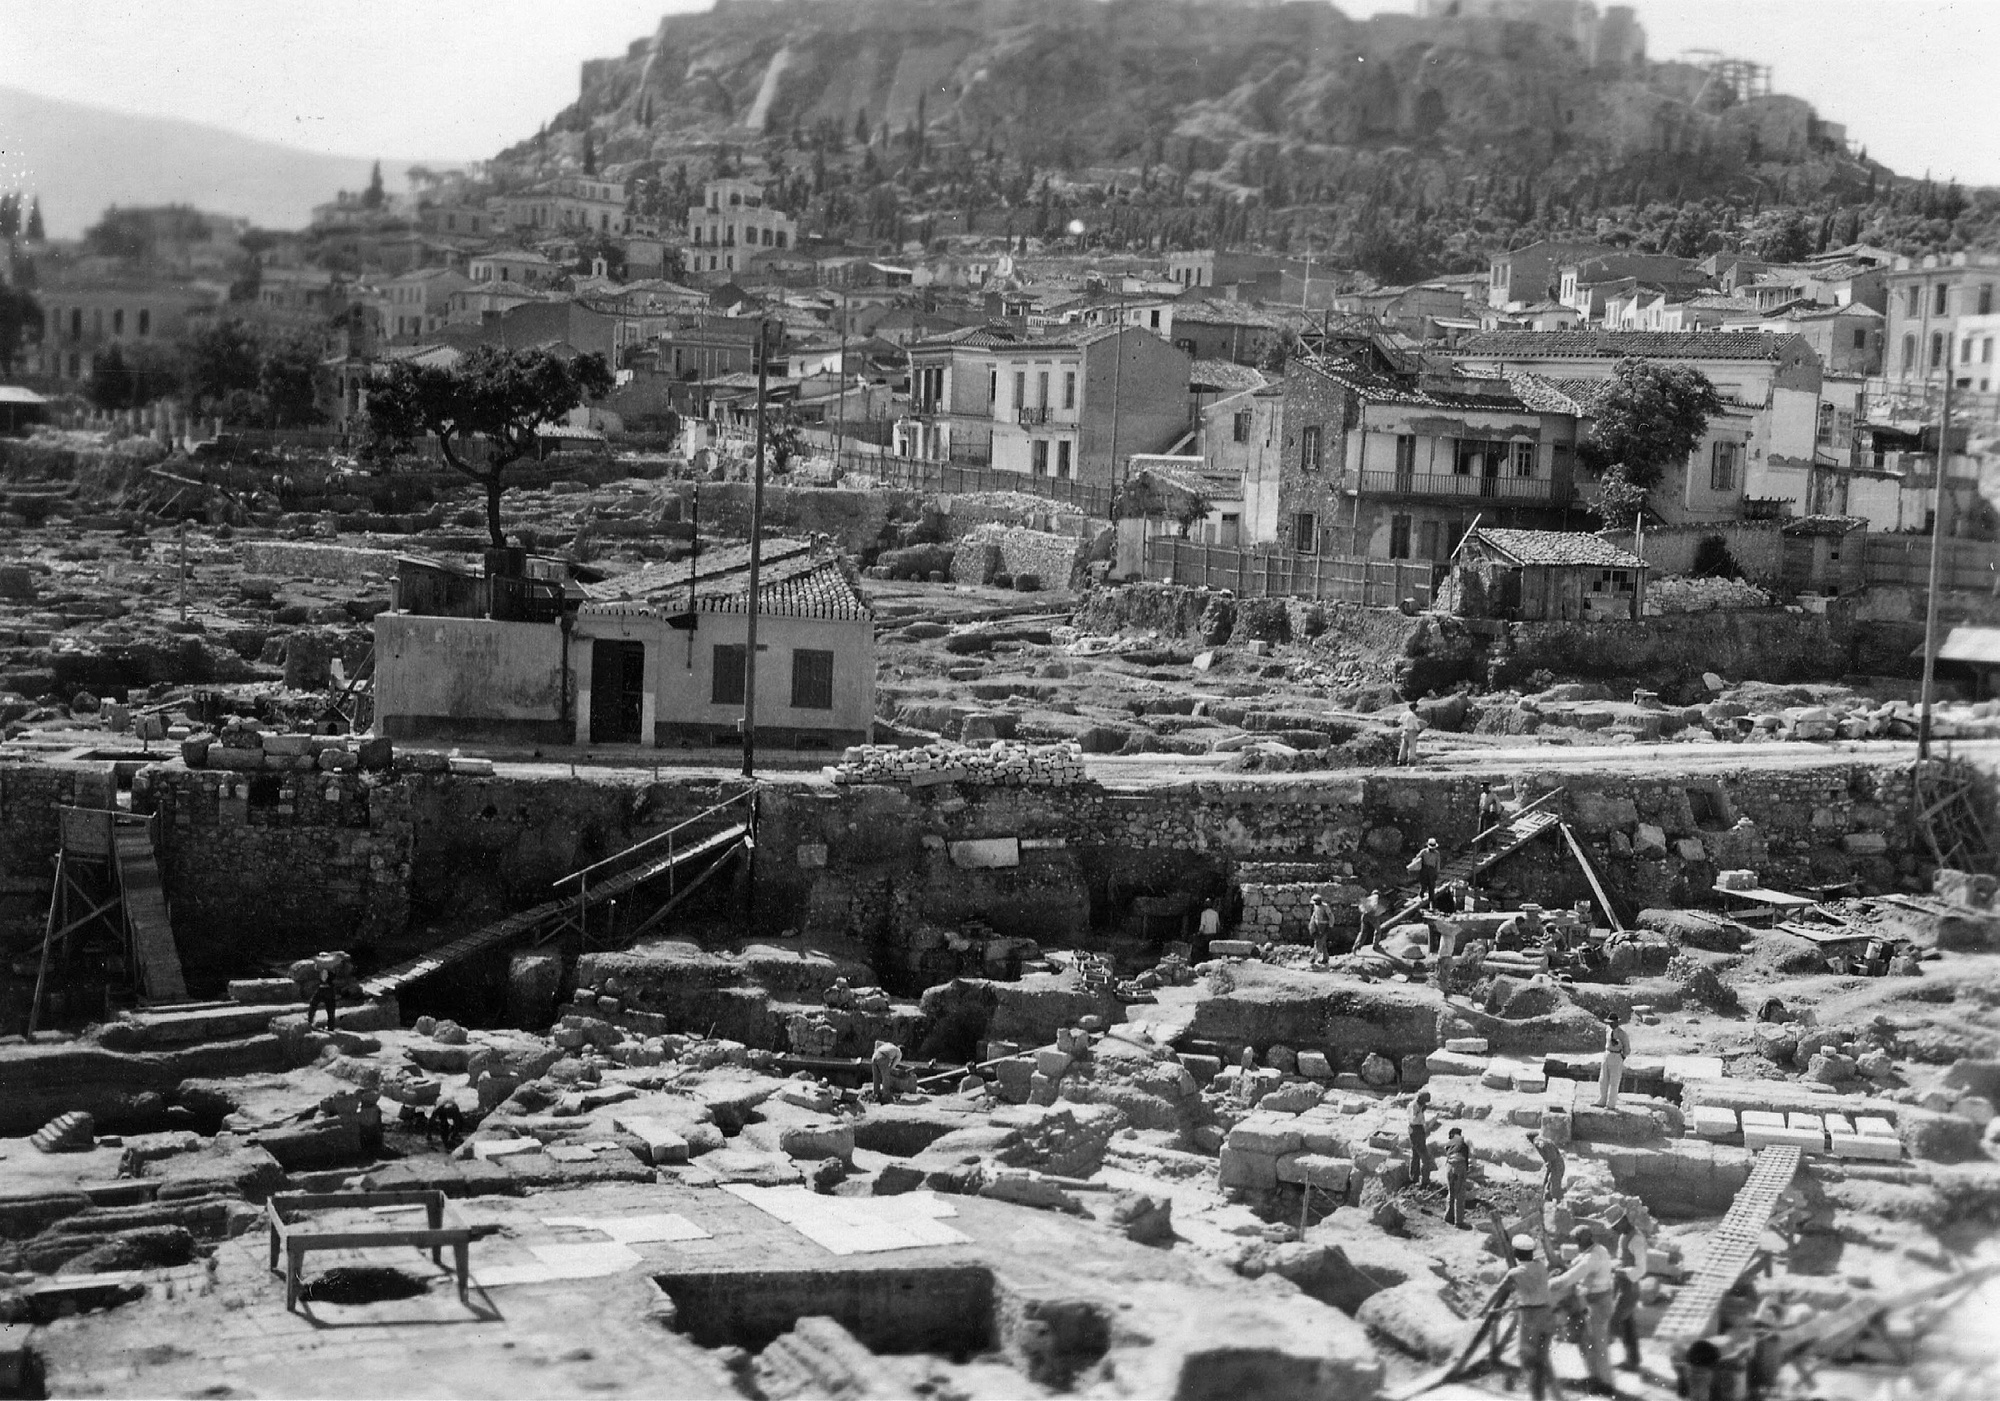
x=1282 y=404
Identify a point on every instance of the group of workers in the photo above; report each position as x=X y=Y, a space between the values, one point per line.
x=1599 y=1287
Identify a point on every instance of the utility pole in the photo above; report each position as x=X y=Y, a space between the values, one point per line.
x=756 y=557
x=840 y=405
x=1117 y=366
x=1937 y=529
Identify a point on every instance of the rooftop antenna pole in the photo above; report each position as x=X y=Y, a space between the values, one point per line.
x=1937 y=529
x=756 y=558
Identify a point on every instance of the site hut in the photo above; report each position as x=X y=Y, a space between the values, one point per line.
x=660 y=659
x=654 y=657
x=1544 y=576
x=1970 y=657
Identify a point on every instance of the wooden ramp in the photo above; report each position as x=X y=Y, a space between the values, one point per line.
x=550 y=916
x=1731 y=1247
x=156 y=958
x=1510 y=837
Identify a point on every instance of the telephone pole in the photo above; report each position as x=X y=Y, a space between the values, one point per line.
x=756 y=557
x=1937 y=529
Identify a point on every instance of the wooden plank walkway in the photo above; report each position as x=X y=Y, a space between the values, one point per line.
x=1731 y=1247
x=1467 y=864
x=145 y=901
x=514 y=926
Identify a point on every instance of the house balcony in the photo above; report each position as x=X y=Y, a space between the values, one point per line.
x=1045 y=417
x=1526 y=491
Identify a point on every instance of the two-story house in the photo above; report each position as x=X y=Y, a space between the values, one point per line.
x=1928 y=297
x=1526 y=276
x=1241 y=439
x=1076 y=403
x=522 y=265
x=81 y=319
x=731 y=223
x=569 y=204
x=1763 y=447
x=953 y=379
x=418 y=303
x=1399 y=466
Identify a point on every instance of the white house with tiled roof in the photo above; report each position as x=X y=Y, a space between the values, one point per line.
x=1764 y=447
x=659 y=654
x=653 y=658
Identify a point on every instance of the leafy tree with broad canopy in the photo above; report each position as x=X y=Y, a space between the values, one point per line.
x=1653 y=415
x=495 y=396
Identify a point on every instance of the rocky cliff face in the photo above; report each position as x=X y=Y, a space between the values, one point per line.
x=1298 y=94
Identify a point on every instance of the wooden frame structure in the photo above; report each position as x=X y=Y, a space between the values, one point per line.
x=128 y=902
x=289 y=1239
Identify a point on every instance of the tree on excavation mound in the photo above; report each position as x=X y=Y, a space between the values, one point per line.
x=494 y=396
x=1650 y=417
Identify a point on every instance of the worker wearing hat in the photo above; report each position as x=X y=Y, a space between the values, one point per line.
x=1427 y=864
x=1528 y=1283
x=1594 y=1279
x=1319 y=924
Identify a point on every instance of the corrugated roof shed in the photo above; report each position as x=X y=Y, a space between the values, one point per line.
x=1971 y=644
x=1559 y=547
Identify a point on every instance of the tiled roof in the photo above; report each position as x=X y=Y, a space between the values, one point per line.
x=793 y=580
x=1822 y=525
x=1617 y=345
x=1382 y=390
x=1546 y=395
x=1559 y=547
x=1224 y=376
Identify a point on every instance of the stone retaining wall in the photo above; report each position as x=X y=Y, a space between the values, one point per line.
x=287 y=559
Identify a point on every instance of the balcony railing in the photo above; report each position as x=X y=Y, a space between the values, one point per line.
x=1452 y=484
x=1032 y=418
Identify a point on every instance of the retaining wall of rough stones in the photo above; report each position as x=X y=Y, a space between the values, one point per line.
x=287 y=559
x=1762 y=644
x=284 y=863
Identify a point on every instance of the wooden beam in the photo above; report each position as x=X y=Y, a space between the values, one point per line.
x=1589 y=874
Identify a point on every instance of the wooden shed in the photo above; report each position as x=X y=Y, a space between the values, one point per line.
x=1824 y=554
x=1543 y=576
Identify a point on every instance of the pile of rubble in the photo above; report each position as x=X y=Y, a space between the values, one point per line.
x=1004 y=764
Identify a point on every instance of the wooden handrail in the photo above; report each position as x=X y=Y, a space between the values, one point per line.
x=585 y=873
x=1510 y=820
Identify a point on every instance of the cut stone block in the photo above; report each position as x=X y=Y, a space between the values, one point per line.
x=1231 y=948
x=1328 y=1174
x=1449 y=1062
x=1810 y=1123
x=663 y=1143
x=1267 y=1135
x=1870 y=1126
x=1315 y=1065
x=1530 y=1081
x=1467 y=1046
x=1868 y=1146
x=1052 y=1063
x=1243 y=1168
x=1714 y=1121
x=1762 y=1119
x=1805 y=1140
x=1838 y=1123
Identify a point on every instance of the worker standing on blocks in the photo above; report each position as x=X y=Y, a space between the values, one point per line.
x=1617 y=1046
x=1457 y=1177
x=1420 y=1139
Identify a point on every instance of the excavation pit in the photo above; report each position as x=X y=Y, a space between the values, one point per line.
x=944 y=1310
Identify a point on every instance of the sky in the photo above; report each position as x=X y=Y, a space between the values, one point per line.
x=446 y=80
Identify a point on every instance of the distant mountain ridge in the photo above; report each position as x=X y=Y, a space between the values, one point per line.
x=80 y=158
